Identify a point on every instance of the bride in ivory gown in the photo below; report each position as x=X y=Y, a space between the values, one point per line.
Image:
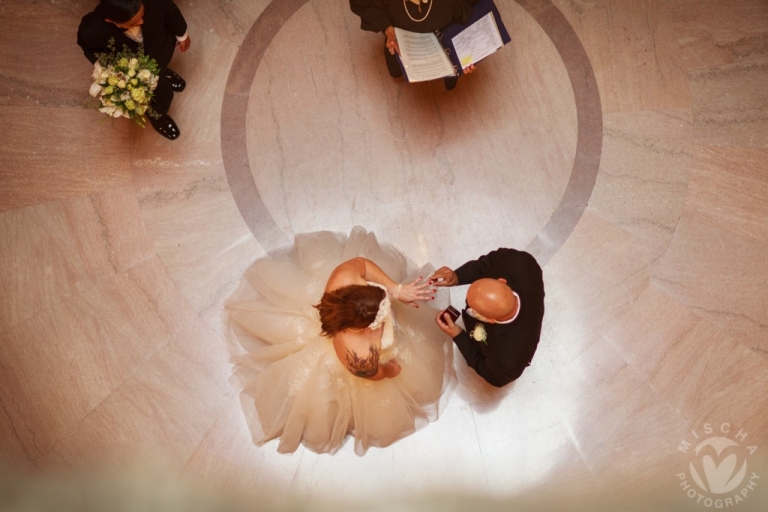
x=325 y=343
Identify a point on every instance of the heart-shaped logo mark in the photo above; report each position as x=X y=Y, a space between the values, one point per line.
x=721 y=477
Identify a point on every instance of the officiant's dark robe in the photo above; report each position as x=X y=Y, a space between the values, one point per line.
x=377 y=15
x=509 y=348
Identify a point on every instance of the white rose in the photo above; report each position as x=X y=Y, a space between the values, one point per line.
x=107 y=110
x=121 y=84
x=94 y=90
x=144 y=75
x=133 y=63
x=131 y=73
x=118 y=112
x=97 y=70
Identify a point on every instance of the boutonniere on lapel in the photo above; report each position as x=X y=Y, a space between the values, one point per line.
x=479 y=333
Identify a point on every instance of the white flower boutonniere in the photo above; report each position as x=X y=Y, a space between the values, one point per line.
x=479 y=333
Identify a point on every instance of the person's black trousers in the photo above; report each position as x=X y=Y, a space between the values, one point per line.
x=161 y=102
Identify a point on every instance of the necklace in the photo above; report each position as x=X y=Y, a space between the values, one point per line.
x=405 y=6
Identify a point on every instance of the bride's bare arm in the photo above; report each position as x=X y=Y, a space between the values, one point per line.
x=351 y=271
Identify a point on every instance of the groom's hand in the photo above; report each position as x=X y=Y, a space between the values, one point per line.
x=183 y=46
x=444 y=277
x=445 y=323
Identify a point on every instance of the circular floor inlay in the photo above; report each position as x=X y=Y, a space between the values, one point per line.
x=333 y=141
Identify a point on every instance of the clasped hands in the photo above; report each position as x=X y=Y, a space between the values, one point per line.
x=394 y=48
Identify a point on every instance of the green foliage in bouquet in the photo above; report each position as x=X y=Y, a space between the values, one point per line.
x=124 y=82
x=120 y=60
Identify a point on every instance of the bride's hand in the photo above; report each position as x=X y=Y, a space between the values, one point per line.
x=394 y=369
x=411 y=293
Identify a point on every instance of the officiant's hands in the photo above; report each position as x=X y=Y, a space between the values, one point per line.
x=469 y=69
x=391 y=44
x=444 y=277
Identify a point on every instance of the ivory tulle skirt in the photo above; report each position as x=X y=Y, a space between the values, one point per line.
x=292 y=384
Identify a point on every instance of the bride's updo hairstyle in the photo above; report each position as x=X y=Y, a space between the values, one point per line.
x=349 y=307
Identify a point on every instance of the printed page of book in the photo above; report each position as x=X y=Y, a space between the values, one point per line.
x=423 y=56
x=477 y=41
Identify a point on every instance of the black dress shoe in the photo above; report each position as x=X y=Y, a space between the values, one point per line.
x=178 y=84
x=450 y=82
x=165 y=126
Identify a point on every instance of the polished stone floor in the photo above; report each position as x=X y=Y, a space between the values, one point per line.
x=623 y=143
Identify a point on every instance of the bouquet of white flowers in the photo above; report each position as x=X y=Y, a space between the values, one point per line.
x=123 y=82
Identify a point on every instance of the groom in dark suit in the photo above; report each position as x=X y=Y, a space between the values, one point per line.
x=505 y=309
x=159 y=26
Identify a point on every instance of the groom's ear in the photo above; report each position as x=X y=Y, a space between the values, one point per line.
x=503 y=280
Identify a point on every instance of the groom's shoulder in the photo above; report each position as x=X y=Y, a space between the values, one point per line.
x=93 y=22
x=514 y=256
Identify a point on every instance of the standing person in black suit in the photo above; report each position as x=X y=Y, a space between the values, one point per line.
x=159 y=26
x=505 y=308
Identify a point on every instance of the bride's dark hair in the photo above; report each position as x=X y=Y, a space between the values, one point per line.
x=349 y=307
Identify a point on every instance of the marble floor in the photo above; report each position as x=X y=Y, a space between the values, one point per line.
x=624 y=143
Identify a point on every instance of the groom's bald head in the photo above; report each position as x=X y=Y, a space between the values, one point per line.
x=492 y=298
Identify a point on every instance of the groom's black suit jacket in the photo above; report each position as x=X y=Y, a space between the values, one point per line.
x=510 y=347
x=163 y=21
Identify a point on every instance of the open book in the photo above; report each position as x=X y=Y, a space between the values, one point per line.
x=446 y=53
